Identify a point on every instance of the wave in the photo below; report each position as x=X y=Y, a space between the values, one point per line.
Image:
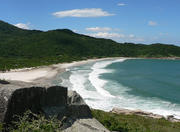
x=97 y=69
x=87 y=81
x=125 y=100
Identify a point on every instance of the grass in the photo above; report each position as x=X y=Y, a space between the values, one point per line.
x=31 y=122
x=134 y=123
x=114 y=122
x=1 y=127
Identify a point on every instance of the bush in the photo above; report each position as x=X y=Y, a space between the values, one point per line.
x=1 y=127
x=31 y=122
x=134 y=123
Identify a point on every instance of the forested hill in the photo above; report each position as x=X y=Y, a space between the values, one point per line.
x=26 y=48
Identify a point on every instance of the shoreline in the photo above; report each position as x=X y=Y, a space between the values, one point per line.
x=42 y=74
x=139 y=112
x=45 y=74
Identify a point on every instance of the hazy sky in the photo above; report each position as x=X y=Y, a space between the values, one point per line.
x=139 y=21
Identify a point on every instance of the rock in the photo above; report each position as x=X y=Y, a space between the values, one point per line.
x=135 y=112
x=3 y=82
x=79 y=117
x=75 y=98
x=79 y=111
x=172 y=118
x=74 y=113
x=77 y=107
x=18 y=97
x=86 y=125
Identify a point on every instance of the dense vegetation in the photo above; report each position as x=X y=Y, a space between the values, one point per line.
x=27 y=48
x=134 y=123
x=31 y=122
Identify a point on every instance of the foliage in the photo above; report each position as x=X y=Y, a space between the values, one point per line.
x=1 y=127
x=31 y=122
x=134 y=123
x=27 y=48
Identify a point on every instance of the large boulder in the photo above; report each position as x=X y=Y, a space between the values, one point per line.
x=77 y=107
x=79 y=117
x=17 y=97
x=74 y=98
x=70 y=108
x=86 y=125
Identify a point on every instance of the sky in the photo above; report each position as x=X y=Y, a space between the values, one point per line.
x=137 y=21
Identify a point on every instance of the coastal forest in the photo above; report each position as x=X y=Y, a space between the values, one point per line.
x=29 y=48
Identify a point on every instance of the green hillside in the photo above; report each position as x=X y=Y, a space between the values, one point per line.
x=27 y=48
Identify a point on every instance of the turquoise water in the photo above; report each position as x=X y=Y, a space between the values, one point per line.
x=148 y=78
x=146 y=84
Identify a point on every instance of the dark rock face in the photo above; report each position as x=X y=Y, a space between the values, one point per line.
x=75 y=98
x=79 y=111
x=17 y=98
x=4 y=82
x=77 y=107
x=70 y=108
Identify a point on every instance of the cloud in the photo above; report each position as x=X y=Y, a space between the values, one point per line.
x=119 y=37
x=74 y=30
x=88 y=12
x=121 y=4
x=107 y=35
x=98 y=29
x=112 y=33
x=131 y=36
x=22 y=25
x=152 y=23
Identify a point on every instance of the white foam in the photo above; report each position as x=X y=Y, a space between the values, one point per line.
x=102 y=99
x=77 y=80
x=154 y=105
x=97 y=69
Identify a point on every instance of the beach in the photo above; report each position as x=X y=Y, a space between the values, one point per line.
x=43 y=73
x=98 y=99
x=48 y=72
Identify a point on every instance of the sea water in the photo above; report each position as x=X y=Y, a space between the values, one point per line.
x=147 y=84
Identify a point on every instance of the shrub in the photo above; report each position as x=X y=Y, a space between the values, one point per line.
x=134 y=123
x=31 y=122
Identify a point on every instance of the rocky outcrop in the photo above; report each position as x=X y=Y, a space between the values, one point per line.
x=135 y=112
x=172 y=118
x=143 y=113
x=86 y=125
x=3 y=82
x=69 y=107
x=77 y=107
x=74 y=98
x=79 y=118
x=17 y=97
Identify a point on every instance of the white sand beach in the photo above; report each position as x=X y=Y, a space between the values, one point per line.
x=43 y=72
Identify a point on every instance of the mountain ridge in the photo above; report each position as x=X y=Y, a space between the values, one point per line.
x=27 y=48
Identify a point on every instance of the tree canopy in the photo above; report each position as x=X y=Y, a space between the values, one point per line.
x=26 y=48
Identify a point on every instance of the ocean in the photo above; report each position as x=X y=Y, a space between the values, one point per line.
x=151 y=85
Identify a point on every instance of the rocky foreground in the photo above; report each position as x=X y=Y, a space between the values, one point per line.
x=68 y=106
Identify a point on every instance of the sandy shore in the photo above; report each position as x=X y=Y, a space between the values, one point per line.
x=42 y=73
x=45 y=74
